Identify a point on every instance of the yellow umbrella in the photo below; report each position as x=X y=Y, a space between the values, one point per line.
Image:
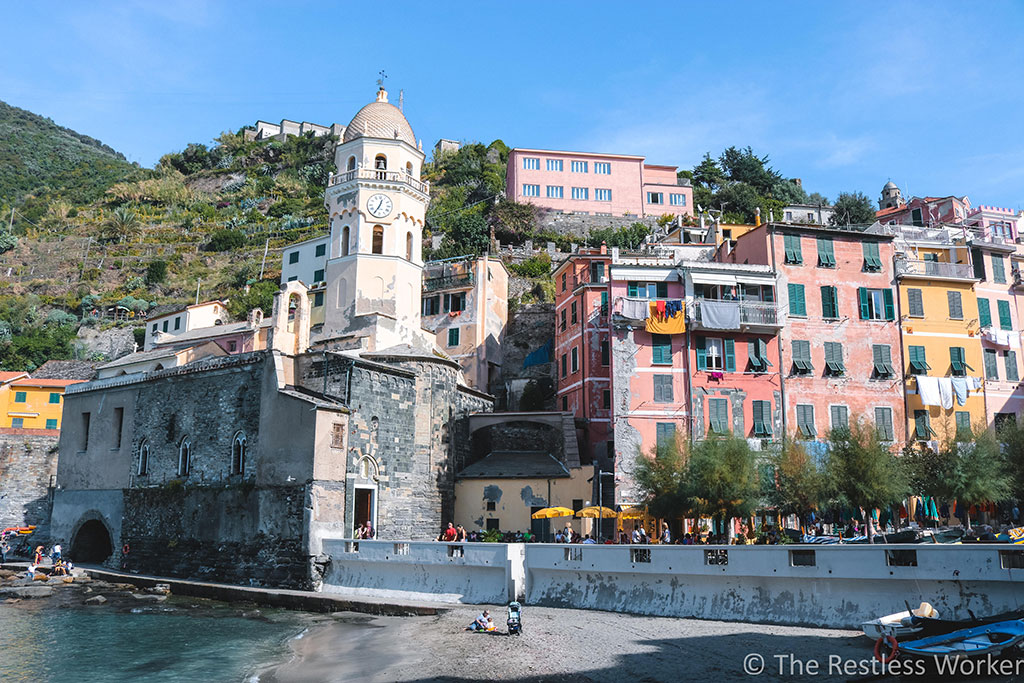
x=633 y=513
x=549 y=513
x=596 y=511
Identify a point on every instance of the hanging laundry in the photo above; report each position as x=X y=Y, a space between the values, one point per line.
x=928 y=390
x=946 y=392
x=960 y=389
x=652 y=310
x=675 y=324
x=660 y=306
x=974 y=383
x=635 y=309
x=720 y=315
x=673 y=308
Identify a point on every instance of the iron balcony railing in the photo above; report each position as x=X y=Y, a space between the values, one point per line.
x=587 y=277
x=751 y=313
x=433 y=284
x=386 y=176
x=913 y=267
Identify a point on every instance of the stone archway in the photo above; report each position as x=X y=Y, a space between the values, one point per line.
x=91 y=543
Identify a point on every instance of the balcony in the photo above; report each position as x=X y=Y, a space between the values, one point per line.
x=458 y=281
x=913 y=268
x=587 y=277
x=382 y=176
x=994 y=242
x=733 y=315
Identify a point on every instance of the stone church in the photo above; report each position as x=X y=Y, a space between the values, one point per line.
x=235 y=468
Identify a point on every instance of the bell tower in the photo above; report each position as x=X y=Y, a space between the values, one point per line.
x=376 y=203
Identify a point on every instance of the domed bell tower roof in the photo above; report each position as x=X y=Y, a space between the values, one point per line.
x=380 y=119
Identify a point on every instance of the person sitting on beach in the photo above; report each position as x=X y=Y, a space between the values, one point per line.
x=490 y=626
x=480 y=623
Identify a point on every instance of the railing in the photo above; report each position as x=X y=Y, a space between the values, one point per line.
x=962 y=271
x=387 y=176
x=448 y=282
x=764 y=313
x=994 y=241
x=587 y=277
x=914 y=234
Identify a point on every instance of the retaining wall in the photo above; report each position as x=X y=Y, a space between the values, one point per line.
x=475 y=573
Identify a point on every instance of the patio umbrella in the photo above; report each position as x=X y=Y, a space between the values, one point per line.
x=632 y=513
x=596 y=511
x=552 y=512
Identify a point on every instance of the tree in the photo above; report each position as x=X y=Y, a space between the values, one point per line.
x=225 y=240
x=708 y=174
x=469 y=233
x=513 y=221
x=798 y=485
x=122 y=225
x=659 y=476
x=743 y=166
x=721 y=479
x=977 y=471
x=853 y=208
x=816 y=199
x=626 y=237
x=789 y=192
x=7 y=241
x=260 y=295
x=156 y=272
x=1011 y=435
x=861 y=471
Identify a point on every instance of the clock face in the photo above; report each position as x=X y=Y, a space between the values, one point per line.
x=379 y=205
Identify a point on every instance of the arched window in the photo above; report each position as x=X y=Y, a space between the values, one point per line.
x=380 y=163
x=408 y=247
x=143 y=458
x=378 y=239
x=351 y=164
x=408 y=168
x=344 y=241
x=184 y=457
x=159 y=366
x=367 y=468
x=238 y=447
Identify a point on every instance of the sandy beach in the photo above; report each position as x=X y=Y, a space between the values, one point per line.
x=563 y=645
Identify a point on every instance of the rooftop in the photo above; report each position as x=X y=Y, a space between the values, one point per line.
x=380 y=119
x=515 y=465
x=65 y=369
x=32 y=382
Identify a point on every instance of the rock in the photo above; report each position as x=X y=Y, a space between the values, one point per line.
x=26 y=592
x=159 y=589
x=154 y=598
x=11 y=601
x=96 y=600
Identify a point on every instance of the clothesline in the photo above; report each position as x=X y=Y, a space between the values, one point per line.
x=941 y=391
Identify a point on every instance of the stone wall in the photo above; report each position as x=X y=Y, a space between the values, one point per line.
x=28 y=460
x=518 y=436
x=580 y=226
x=231 y=534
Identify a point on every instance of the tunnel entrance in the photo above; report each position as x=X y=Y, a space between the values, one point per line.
x=92 y=543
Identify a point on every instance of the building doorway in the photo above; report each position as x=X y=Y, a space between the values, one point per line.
x=366 y=507
x=91 y=543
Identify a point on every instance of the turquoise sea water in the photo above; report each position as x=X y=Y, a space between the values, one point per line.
x=153 y=643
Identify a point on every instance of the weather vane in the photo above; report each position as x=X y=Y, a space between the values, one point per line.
x=380 y=81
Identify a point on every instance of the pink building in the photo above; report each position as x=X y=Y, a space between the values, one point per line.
x=596 y=184
x=927 y=211
x=996 y=224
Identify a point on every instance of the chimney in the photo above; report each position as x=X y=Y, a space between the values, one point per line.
x=757 y=215
x=604 y=247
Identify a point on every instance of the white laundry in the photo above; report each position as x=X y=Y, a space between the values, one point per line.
x=974 y=383
x=946 y=392
x=960 y=389
x=928 y=389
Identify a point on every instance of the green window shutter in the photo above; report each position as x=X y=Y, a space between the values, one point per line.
x=802 y=356
x=883 y=423
x=963 y=425
x=797 y=305
x=865 y=307
x=665 y=435
x=762 y=352
x=805 y=420
x=762 y=412
x=956 y=361
x=663 y=389
x=662 y=290
x=1011 y=367
x=956 y=309
x=890 y=309
x=998 y=269
x=793 y=252
x=840 y=417
x=718 y=415
x=730 y=355
x=829 y=303
x=752 y=355
x=872 y=261
x=991 y=366
x=922 y=430
x=915 y=303
x=631 y=290
x=662 y=351
x=918 y=363
x=984 y=313
x=978 y=261
x=702 y=354
x=834 y=358
x=826 y=255
x=881 y=357
x=1005 y=322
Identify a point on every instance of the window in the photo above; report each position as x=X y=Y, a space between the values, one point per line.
x=177 y=323
x=431 y=305
x=802 y=357
x=716 y=354
x=915 y=303
x=881 y=356
x=647 y=290
x=563 y=322
x=408 y=246
x=51 y=423
x=916 y=218
x=453 y=336
x=321 y=250
x=380 y=163
x=998 y=269
x=603 y=195
x=154 y=328
x=991 y=366
x=1005 y=322
x=574 y=316
x=293 y=278
x=579 y=167
x=606 y=399
x=805 y=421
x=956 y=309
x=663 y=389
x=184 y=457
x=1011 y=366
x=840 y=417
x=118 y=425
x=597 y=275
x=872 y=261
x=318 y=275
x=918 y=364
x=20 y=397
x=351 y=164
x=791 y=244
x=789 y=215
x=554 y=164
x=718 y=416
x=676 y=199
x=531 y=190
x=661 y=349
x=17 y=422
x=565 y=368
x=491 y=506
x=86 y=420
x=167 y=322
x=984 y=313
x=238 y=447
x=826 y=254
x=344 y=241
x=883 y=423
x=834 y=359
x=378 y=239
x=604 y=297
x=143 y=466
x=963 y=425
x=922 y=426
x=655 y=198
x=797 y=305
x=829 y=302
x=455 y=302
x=762 y=413
x=531 y=163
x=876 y=304
x=493 y=524
x=580 y=193
x=957 y=361
x=293 y=257
x=338 y=435
x=318 y=300
x=602 y=168
x=605 y=353
x=554 y=191
x=665 y=434
x=574 y=359
x=757 y=352
x=978 y=262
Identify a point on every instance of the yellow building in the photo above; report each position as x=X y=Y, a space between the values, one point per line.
x=31 y=403
x=941 y=340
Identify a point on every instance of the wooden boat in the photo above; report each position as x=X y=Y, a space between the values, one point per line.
x=988 y=639
x=900 y=624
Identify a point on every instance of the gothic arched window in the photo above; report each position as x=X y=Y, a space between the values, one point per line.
x=184 y=457
x=238 y=448
x=143 y=458
x=344 y=241
x=351 y=164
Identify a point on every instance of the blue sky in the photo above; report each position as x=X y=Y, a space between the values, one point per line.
x=842 y=94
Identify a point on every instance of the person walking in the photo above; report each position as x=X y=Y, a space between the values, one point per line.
x=666 y=535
